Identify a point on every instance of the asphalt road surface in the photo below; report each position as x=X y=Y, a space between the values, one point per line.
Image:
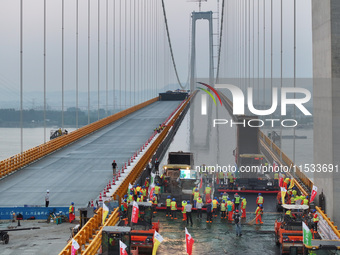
x=80 y=171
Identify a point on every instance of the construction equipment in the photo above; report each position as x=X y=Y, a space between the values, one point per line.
x=288 y=228
x=143 y=231
x=179 y=176
x=4 y=237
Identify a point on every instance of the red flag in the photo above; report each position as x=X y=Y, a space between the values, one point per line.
x=189 y=241
x=314 y=192
x=201 y=183
x=122 y=248
x=135 y=212
x=151 y=193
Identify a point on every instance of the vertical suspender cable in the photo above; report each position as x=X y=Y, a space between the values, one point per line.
x=281 y=71
x=258 y=52
x=249 y=44
x=120 y=54
x=88 y=59
x=62 y=62
x=294 y=76
x=271 y=65
x=220 y=45
x=264 y=52
x=134 y=53
x=107 y=57
x=21 y=78
x=44 y=71
x=253 y=41
x=98 y=57
x=130 y=55
x=114 y=56
x=125 y=55
x=77 y=63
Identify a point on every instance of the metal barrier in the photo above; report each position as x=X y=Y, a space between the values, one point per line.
x=305 y=180
x=18 y=161
x=83 y=236
x=330 y=223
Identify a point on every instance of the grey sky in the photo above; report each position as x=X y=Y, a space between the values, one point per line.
x=178 y=12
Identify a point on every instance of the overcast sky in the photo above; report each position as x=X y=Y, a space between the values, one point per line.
x=178 y=12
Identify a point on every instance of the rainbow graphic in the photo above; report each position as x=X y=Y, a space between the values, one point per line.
x=209 y=93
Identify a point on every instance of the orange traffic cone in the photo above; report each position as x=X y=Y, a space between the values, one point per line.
x=100 y=197
x=92 y=203
x=110 y=185
x=122 y=169
x=125 y=166
x=104 y=193
x=113 y=181
x=118 y=173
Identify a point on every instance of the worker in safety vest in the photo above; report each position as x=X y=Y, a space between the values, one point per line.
x=146 y=183
x=231 y=181
x=130 y=197
x=315 y=221
x=306 y=201
x=259 y=200
x=225 y=196
x=288 y=215
x=196 y=195
x=168 y=206
x=258 y=213
x=199 y=205
x=215 y=203
x=154 y=204
x=243 y=207
x=237 y=201
x=294 y=192
x=223 y=209
x=286 y=183
x=71 y=212
x=157 y=190
x=230 y=209
x=221 y=177
x=124 y=208
x=173 y=205
x=276 y=179
x=207 y=192
x=144 y=193
x=139 y=198
x=184 y=203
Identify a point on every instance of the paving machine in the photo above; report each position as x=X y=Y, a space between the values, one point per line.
x=288 y=229
x=179 y=176
x=143 y=231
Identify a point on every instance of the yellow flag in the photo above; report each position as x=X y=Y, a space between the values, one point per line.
x=105 y=212
x=291 y=183
x=283 y=194
x=157 y=239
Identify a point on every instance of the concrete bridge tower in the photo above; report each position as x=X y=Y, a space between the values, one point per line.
x=326 y=74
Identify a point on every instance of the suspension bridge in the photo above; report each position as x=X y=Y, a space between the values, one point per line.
x=111 y=59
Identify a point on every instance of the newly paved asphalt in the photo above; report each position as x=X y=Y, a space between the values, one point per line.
x=80 y=171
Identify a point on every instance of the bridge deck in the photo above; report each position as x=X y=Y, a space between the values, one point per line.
x=80 y=171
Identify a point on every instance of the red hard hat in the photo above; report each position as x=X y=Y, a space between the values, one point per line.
x=315 y=215
x=236 y=210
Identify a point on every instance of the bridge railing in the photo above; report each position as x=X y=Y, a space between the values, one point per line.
x=305 y=180
x=18 y=161
x=95 y=243
x=328 y=220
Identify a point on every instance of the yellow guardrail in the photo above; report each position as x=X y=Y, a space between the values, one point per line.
x=18 y=161
x=94 y=244
x=286 y=160
x=330 y=223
